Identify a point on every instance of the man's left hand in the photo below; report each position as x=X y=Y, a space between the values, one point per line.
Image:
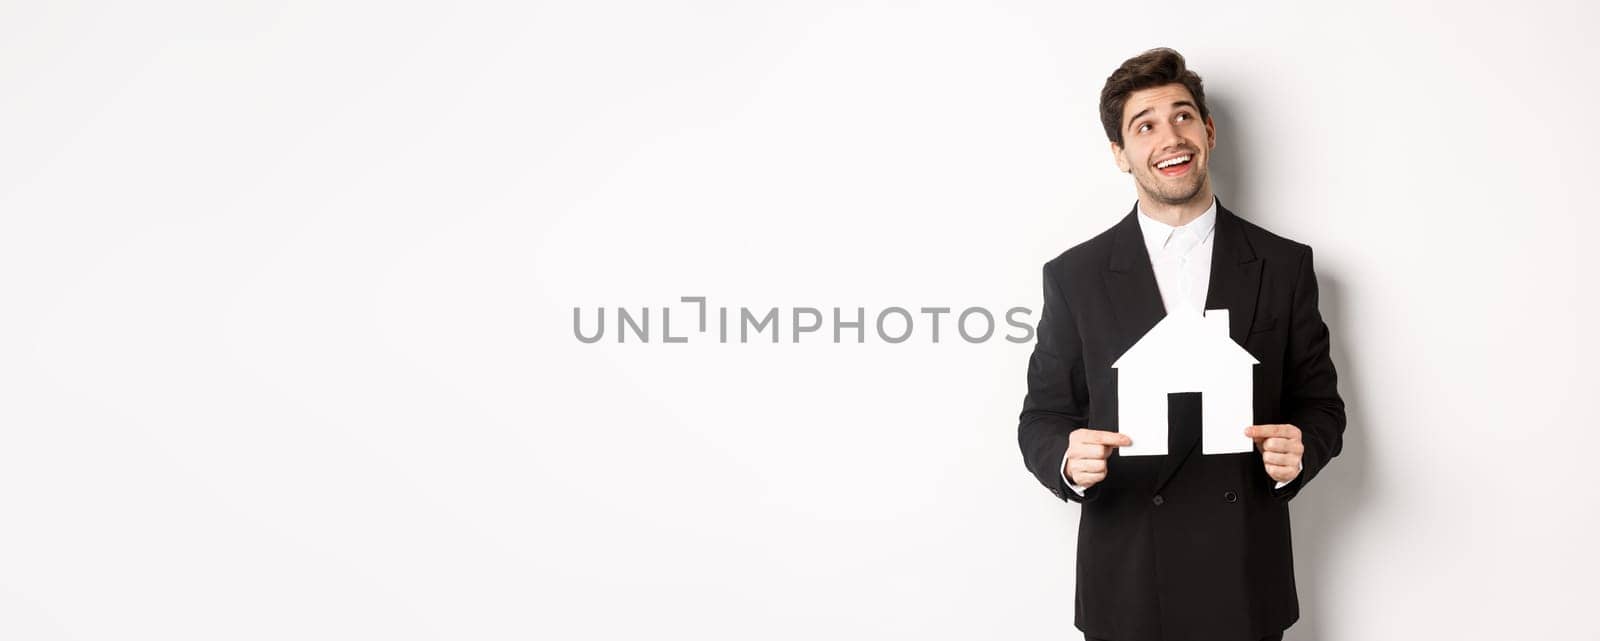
x=1280 y=448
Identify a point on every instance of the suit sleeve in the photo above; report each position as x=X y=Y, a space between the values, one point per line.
x=1058 y=396
x=1310 y=386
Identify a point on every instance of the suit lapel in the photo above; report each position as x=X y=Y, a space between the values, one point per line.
x=1136 y=299
x=1131 y=283
x=1235 y=275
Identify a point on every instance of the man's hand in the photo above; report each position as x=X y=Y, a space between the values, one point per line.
x=1087 y=451
x=1280 y=448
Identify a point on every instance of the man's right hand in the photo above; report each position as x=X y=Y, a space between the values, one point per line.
x=1087 y=451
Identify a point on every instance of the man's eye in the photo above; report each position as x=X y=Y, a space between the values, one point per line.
x=1143 y=127
x=1184 y=116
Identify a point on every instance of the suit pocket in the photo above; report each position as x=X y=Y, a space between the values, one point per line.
x=1266 y=324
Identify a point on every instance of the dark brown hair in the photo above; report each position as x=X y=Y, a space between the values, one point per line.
x=1153 y=68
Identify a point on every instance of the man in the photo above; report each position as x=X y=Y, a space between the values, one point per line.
x=1183 y=545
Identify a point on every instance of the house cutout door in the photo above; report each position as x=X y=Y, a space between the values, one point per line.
x=1184 y=412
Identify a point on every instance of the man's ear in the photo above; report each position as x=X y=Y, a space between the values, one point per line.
x=1116 y=154
x=1211 y=133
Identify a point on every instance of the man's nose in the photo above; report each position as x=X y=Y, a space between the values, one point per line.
x=1175 y=142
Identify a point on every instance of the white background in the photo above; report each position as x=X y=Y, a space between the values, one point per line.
x=286 y=347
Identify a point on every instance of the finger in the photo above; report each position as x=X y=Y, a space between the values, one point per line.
x=1281 y=473
x=1088 y=480
x=1276 y=458
x=1087 y=451
x=1092 y=475
x=1103 y=437
x=1249 y=431
x=1087 y=466
x=1269 y=431
x=1278 y=445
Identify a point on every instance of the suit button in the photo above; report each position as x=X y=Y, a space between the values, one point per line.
x=1058 y=492
x=1158 y=500
x=1230 y=497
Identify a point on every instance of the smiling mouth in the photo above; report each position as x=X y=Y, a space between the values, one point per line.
x=1176 y=166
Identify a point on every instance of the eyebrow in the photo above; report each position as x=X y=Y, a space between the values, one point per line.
x=1180 y=103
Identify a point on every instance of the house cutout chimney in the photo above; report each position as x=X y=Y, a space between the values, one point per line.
x=1186 y=352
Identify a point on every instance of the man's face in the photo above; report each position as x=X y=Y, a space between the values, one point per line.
x=1159 y=124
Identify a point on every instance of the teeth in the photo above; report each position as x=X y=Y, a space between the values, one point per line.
x=1171 y=161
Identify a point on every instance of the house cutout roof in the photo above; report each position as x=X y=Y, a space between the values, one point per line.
x=1186 y=339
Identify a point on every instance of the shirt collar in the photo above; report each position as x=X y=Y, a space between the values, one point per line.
x=1156 y=232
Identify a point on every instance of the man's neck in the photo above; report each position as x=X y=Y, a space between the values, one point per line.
x=1180 y=214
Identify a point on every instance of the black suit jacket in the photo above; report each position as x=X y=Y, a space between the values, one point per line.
x=1185 y=545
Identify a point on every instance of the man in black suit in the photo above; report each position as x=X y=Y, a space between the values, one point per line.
x=1183 y=545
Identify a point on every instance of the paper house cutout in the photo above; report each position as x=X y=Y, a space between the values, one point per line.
x=1186 y=352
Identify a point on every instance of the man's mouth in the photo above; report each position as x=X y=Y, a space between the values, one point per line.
x=1175 y=166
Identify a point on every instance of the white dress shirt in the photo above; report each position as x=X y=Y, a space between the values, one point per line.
x=1183 y=272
